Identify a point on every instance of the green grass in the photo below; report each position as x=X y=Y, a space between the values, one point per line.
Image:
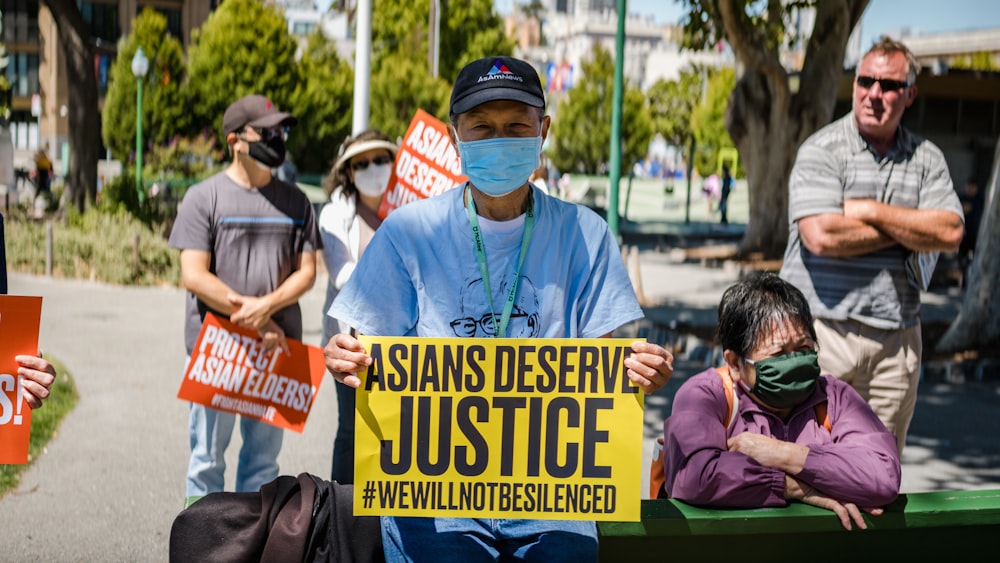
x=44 y=425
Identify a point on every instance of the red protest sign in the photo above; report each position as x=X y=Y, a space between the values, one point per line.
x=230 y=371
x=20 y=318
x=426 y=165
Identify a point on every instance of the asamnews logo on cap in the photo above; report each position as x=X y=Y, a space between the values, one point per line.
x=500 y=72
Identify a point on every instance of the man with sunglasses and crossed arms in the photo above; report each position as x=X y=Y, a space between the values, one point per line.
x=248 y=245
x=870 y=206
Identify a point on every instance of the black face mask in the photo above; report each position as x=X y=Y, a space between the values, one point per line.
x=270 y=152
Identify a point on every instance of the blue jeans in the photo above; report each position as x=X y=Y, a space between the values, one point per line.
x=210 y=431
x=470 y=540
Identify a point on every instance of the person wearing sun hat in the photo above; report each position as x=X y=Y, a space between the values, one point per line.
x=426 y=274
x=355 y=185
x=248 y=245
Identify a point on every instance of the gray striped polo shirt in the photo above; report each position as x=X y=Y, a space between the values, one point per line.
x=835 y=164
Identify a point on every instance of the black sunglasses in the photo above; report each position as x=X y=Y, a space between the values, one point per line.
x=887 y=84
x=266 y=134
x=377 y=161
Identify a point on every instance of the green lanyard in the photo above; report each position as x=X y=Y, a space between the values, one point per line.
x=500 y=330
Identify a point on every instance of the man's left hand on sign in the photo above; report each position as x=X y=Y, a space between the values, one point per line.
x=251 y=312
x=345 y=357
x=37 y=377
x=650 y=366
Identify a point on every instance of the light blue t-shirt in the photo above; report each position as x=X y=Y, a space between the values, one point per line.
x=419 y=275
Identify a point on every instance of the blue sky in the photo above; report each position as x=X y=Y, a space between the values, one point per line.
x=881 y=16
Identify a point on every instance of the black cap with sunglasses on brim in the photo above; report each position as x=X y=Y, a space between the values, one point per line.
x=254 y=111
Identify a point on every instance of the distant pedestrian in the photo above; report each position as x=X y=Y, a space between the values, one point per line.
x=972 y=208
x=42 y=174
x=248 y=245
x=711 y=189
x=727 y=188
x=870 y=206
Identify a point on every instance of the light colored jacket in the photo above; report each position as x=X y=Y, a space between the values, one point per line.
x=339 y=226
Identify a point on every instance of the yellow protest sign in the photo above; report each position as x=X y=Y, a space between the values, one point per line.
x=498 y=428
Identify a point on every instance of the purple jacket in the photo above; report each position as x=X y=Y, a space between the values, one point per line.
x=856 y=461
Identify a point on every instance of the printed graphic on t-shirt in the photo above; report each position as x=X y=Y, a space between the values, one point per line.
x=478 y=323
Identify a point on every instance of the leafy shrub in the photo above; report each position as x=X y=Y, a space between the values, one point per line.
x=108 y=246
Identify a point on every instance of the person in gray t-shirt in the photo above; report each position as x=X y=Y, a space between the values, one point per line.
x=870 y=206
x=248 y=245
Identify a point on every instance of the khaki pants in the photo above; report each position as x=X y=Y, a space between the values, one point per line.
x=882 y=365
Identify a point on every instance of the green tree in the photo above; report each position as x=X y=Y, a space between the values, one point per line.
x=469 y=30
x=164 y=111
x=243 y=48
x=708 y=120
x=581 y=128
x=4 y=83
x=765 y=118
x=671 y=103
x=322 y=102
x=401 y=85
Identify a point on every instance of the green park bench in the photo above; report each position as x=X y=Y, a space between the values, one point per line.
x=934 y=526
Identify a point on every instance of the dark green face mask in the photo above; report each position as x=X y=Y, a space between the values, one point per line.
x=785 y=381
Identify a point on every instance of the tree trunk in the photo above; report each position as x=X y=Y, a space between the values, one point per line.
x=84 y=117
x=768 y=123
x=977 y=326
x=760 y=131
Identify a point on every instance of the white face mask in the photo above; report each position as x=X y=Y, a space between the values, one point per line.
x=373 y=181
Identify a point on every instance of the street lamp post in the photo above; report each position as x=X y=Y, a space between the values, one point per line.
x=140 y=66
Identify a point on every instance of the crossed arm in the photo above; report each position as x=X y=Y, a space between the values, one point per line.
x=248 y=311
x=868 y=225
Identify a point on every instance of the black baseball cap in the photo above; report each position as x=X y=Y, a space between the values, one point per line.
x=256 y=111
x=496 y=78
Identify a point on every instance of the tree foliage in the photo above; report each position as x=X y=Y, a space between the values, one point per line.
x=581 y=127
x=765 y=118
x=708 y=122
x=243 y=48
x=469 y=30
x=164 y=111
x=671 y=103
x=400 y=86
x=322 y=102
x=401 y=77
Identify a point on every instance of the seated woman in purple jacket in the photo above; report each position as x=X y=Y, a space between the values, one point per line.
x=795 y=435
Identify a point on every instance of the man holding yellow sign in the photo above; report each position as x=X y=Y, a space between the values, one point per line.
x=495 y=258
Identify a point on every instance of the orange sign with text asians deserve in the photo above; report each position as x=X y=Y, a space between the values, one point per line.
x=230 y=371
x=20 y=318
x=426 y=165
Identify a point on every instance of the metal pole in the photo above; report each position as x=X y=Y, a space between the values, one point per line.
x=435 y=41
x=616 y=122
x=690 y=169
x=362 y=66
x=138 y=137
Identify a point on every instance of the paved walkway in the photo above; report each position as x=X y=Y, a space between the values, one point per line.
x=111 y=482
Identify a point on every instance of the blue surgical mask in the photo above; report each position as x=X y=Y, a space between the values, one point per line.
x=499 y=166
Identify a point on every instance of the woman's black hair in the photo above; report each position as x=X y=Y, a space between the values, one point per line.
x=751 y=307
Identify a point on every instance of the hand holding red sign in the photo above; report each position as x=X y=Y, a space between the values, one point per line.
x=427 y=164
x=231 y=370
x=20 y=318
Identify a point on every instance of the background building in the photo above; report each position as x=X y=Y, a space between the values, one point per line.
x=36 y=67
